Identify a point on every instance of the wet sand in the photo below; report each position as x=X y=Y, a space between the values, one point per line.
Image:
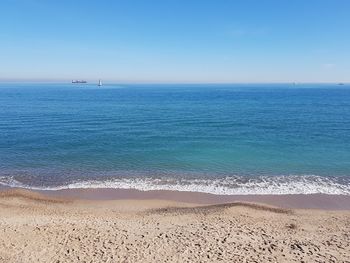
x=311 y=201
x=40 y=228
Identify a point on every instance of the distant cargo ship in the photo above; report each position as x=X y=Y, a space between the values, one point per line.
x=78 y=81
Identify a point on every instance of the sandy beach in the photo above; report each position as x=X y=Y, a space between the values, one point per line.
x=38 y=228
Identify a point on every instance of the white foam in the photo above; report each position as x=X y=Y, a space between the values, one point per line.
x=306 y=184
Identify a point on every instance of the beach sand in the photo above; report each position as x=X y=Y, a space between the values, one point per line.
x=40 y=228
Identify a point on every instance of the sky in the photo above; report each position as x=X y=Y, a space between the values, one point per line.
x=176 y=41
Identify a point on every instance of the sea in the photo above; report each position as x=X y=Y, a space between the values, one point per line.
x=215 y=138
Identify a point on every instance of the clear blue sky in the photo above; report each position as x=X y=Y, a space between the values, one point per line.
x=176 y=40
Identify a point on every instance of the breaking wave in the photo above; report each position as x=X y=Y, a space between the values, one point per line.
x=232 y=185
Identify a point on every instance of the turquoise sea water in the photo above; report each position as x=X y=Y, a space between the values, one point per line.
x=225 y=139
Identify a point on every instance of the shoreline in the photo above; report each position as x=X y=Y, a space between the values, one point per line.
x=289 y=201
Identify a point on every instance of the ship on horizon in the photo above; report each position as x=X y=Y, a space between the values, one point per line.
x=99 y=83
x=78 y=81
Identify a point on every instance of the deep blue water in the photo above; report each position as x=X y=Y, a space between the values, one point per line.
x=212 y=138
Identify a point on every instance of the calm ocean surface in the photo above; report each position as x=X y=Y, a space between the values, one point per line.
x=223 y=139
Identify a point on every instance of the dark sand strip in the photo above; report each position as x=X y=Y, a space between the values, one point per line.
x=300 y=201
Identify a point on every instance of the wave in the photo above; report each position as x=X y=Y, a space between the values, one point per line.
x=233 y=185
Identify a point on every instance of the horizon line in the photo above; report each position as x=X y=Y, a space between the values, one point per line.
x=110 y=81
